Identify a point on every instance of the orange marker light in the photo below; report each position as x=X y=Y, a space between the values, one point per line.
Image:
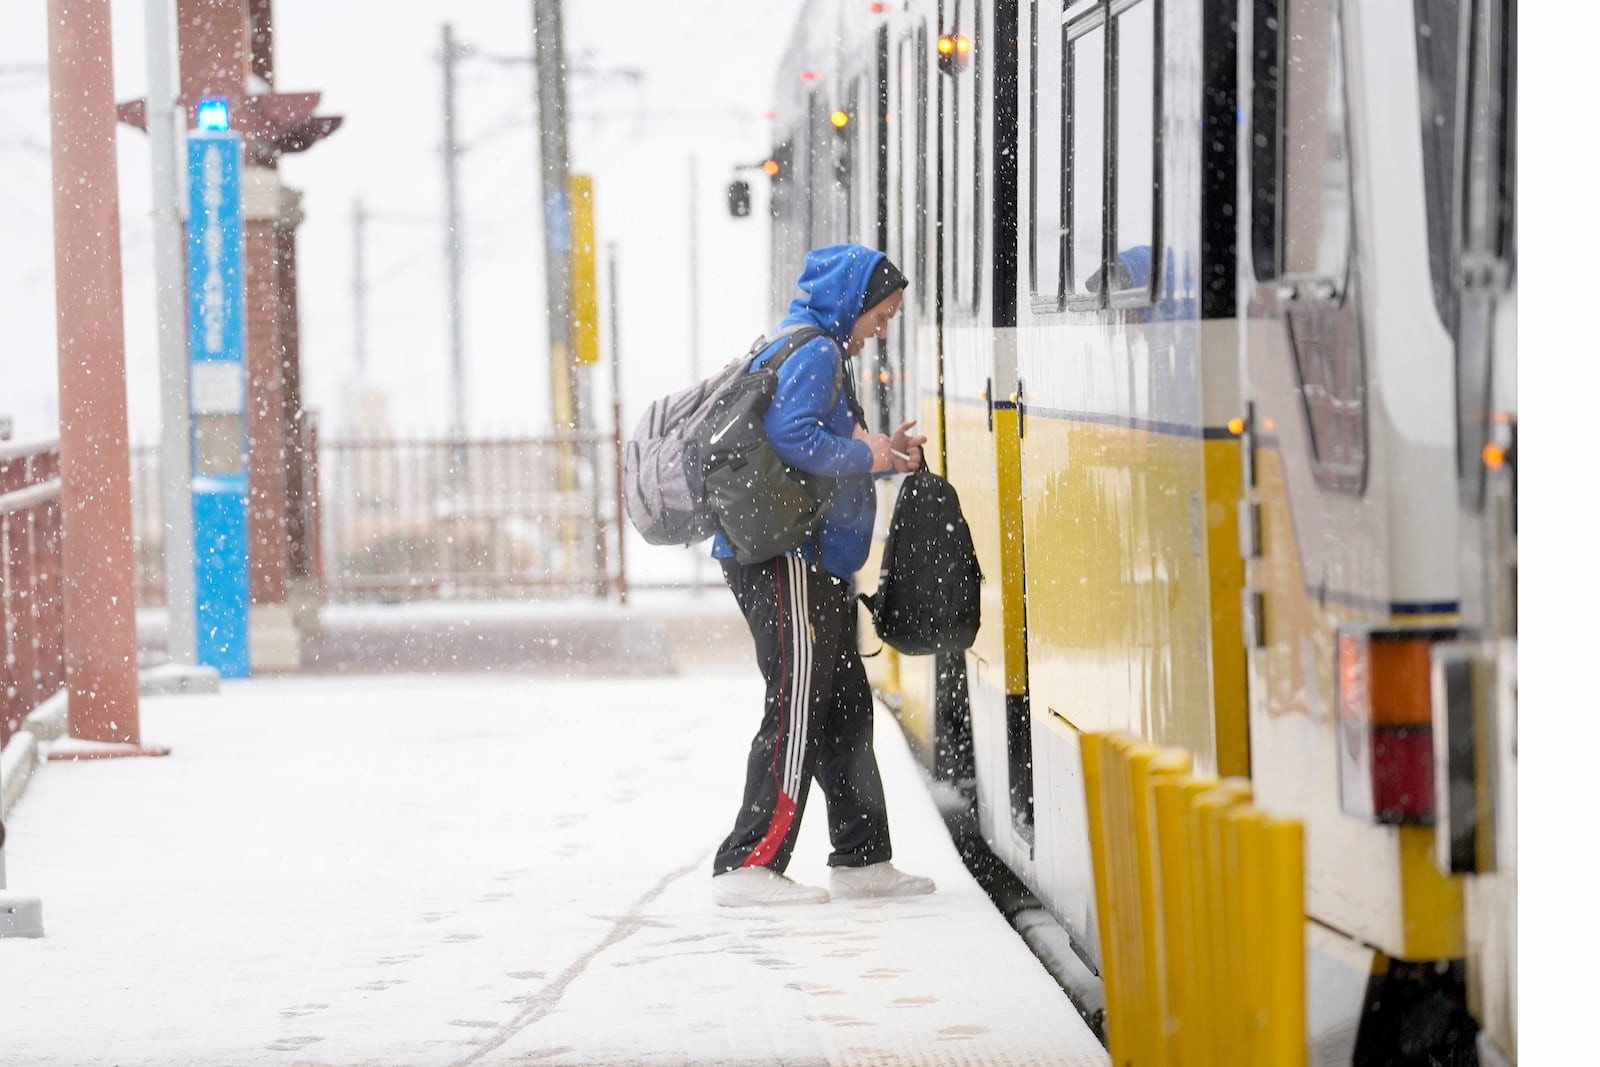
x=1494 y=457
x=1236 y=426
x=771 y=167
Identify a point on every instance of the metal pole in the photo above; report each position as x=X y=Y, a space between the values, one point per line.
x=358 y=291
x=616 y=424
x=694 y=272
x=102 y=647
x=695 y=580
x=171 y=326
x=551 y=87
x=452 y=206
x=549 y=59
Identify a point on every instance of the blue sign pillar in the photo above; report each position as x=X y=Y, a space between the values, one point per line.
x=217 y=397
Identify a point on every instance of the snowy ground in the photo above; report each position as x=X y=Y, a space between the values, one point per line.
x=442 y=870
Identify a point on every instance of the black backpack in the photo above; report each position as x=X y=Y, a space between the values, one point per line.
x=928 y=587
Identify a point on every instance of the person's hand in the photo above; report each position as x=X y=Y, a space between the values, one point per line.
x=908 y=445
x=882 y=459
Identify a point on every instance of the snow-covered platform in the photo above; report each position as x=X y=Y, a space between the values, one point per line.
x=424 y=870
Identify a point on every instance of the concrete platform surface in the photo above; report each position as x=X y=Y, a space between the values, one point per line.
x=420 y=870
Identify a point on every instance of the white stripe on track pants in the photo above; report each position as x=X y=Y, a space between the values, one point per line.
x=817 y=721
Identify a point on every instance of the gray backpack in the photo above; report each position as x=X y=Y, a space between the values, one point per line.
x=700 y=461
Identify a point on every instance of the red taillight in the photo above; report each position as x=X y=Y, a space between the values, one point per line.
x=1386 y=722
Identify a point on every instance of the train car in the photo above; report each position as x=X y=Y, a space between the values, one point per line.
x=1211 y=324
x=1375 y=254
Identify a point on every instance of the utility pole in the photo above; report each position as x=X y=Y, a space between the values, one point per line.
x=616 y=421
x=452 y=223
x=696 y=579
x=694 y=271
x=549 y=57
x=177 y=509
x=358 y=289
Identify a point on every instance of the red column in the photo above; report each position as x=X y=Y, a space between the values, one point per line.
x=264 y=393
x=96 y=507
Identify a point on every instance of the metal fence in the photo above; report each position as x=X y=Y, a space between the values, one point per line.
x=32 y=668
x=470 y=519
x=440 y=518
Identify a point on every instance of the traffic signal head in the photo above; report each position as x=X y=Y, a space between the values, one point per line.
x=739 y=199
x=954 y=51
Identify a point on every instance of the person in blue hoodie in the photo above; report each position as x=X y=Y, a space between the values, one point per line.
x=801 y=608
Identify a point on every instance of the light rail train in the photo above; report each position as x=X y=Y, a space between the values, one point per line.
x=1212 y=325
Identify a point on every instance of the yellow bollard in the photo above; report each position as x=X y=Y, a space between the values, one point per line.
x=1216 y=941
x=1145 y=770
x=1173 y=796
x=1095 y=751
x=1243 y=826
x=1123 y=846
x=1283 y=1041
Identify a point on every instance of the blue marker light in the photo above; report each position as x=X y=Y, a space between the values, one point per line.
x=212 y=113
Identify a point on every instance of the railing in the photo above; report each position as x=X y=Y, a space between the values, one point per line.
x=32 y=668
x=391 y=519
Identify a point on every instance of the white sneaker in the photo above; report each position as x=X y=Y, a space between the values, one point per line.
x=877 y=880
x=750 y=887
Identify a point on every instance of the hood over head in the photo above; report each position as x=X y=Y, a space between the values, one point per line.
x=833 y=286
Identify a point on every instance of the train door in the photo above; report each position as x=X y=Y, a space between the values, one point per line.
x=1471 y=202
x=1350 y=477
x=980 y=410
x=927 y=694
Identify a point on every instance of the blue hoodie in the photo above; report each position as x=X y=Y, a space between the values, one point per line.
x=804 y=431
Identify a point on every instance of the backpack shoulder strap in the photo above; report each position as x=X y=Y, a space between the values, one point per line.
x=798 y=336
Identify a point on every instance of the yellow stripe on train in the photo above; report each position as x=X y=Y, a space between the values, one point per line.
x=1201 y=913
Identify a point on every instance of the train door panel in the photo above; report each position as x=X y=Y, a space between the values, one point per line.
x=1471 y=184
x=979 y=407
x=1300 y=254
x=1346 y=490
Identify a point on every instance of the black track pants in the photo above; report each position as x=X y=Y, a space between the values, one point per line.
x=818 y=720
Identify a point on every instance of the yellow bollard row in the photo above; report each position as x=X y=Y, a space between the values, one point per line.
x=1201 y=913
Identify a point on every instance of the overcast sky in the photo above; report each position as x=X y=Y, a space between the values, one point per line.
x=665 y=95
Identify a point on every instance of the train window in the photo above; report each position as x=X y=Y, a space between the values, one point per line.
x=1136 y=188
x=1486 y=222
x=1047 y=248
x=1086 y=157
x=1316 y=159
x=899 y=112
x=1490 y=131
x=1328 y=354
x=816 y=122
x=1266 y=162
x=1438 y=34
x=920 y=205
x=910 y=129
x=850 y=135
x=1300 y=162
x=968 y=166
